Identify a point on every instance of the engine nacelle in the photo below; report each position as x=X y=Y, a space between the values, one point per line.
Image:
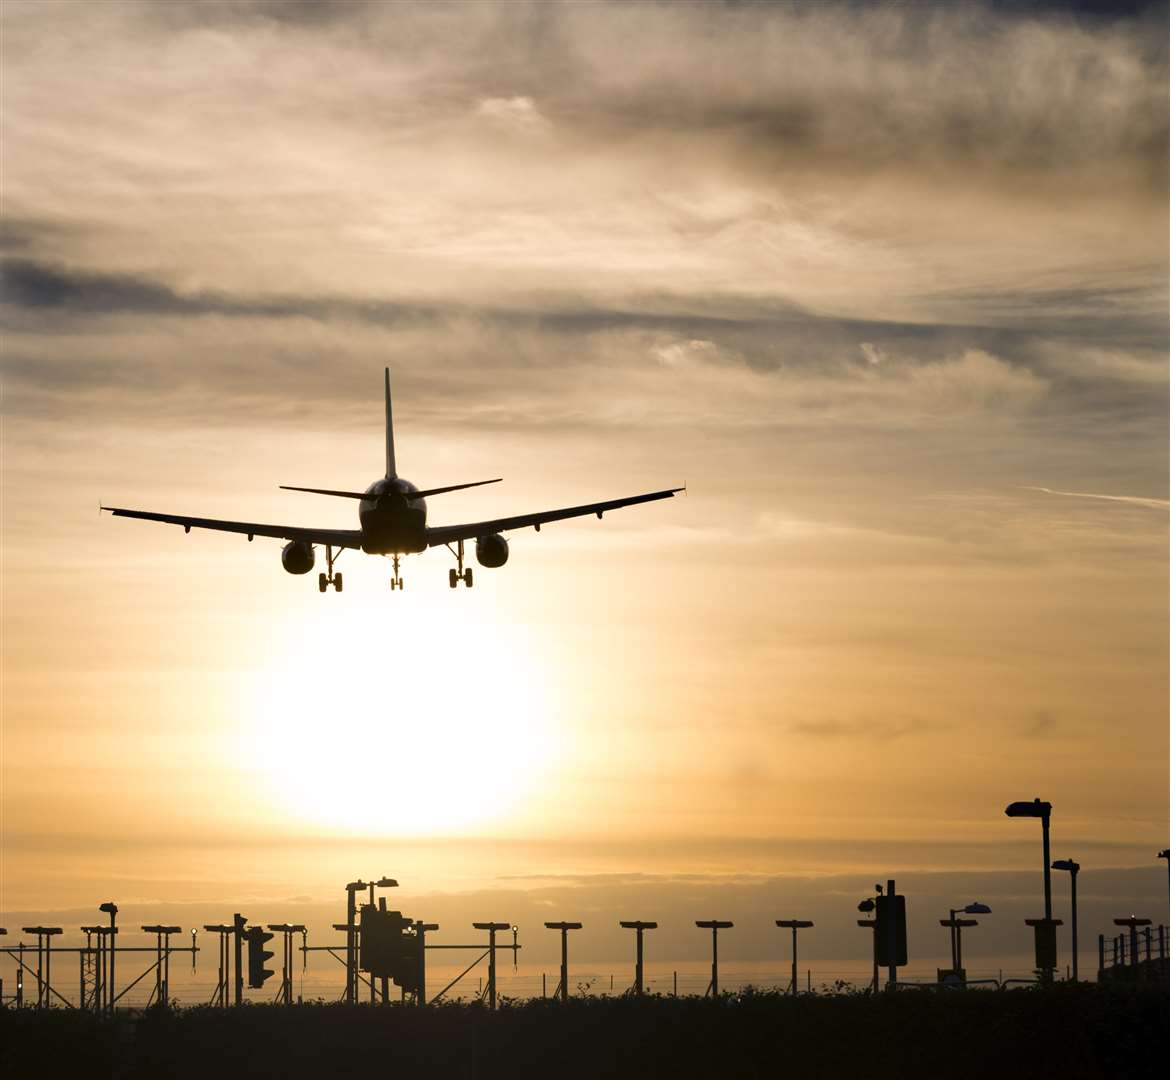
x=298 y=557
x=491 y=551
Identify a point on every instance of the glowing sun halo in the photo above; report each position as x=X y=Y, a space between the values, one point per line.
x=418 y=718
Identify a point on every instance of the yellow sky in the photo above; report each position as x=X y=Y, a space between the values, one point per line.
x=862 y=290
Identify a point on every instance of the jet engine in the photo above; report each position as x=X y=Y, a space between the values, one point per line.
x=297 y=557
x=491 y=550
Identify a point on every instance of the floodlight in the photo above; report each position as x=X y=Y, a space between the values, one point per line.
x=866 y=905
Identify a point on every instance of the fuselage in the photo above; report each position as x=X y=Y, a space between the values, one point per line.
x=393 y=518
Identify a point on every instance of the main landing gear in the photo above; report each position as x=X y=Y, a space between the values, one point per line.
x=396 y=580
x=456 y=576
x=330 y=578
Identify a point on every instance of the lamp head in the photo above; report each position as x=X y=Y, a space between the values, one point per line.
x=866 y=905
x=1066 y=864
x=976 y=909
x=1035 y=808
x=109 y=907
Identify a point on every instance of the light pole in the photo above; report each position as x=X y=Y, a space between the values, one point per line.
x=956 y=927
x=1165 y=854
x=794 y=925
x=111 y=909
x=1072 y=868
x=1045 y=928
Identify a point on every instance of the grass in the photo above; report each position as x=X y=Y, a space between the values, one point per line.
x=1067 y=1032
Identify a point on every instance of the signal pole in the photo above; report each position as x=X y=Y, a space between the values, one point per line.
x=238 y=924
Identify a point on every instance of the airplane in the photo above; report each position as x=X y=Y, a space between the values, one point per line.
x=392 y=513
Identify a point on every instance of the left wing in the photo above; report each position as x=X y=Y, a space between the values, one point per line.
x=448 y=534
x=345 y=538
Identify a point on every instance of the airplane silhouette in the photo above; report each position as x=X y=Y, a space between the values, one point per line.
x=392 y=513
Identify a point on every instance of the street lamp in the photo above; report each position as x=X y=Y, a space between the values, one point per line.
x=1045 y=928
x=111 y=909
x=956 y=927
x=1165 y=854
x=1072 y=868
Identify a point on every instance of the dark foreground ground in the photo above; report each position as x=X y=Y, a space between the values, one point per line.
x=1064 y=1033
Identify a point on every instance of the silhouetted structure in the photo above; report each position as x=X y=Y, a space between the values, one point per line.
x=794 y=925
x=639 y=927
x=1045 y=929
x=1073 y=868
x=564 y=928
x=714 y=925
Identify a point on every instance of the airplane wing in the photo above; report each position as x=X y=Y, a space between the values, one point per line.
x=448 y=534
x=341 y=538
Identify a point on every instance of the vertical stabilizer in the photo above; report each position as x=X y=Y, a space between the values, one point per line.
x=391 y=469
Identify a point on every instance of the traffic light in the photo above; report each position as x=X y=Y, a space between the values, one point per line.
x=257 y=956
x=406 y=970
x=382 y=941
x=881 y=930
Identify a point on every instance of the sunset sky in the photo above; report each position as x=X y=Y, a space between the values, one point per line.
x=884 y=286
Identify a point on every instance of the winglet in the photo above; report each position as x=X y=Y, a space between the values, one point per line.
x=391 y=468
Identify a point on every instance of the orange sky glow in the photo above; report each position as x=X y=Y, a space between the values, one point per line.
x=885 y=288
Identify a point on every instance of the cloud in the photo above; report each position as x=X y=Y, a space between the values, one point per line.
x=515 y=113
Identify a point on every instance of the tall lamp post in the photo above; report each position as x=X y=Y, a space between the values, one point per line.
x=1045 y=928
x=1072 y=868
x=1165 y=854
x=111 y=909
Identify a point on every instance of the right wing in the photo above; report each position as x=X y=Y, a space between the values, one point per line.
x=343 y=538
x=448 y=534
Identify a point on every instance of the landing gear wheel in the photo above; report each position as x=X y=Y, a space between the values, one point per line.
x=322 y=583
x=337 y=583
x=468 y=579
x=452 y=578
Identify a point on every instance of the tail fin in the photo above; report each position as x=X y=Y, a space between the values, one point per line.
x=391 y=469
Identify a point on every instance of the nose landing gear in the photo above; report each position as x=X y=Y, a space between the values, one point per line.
x=396 y=581
x=458 y=575
x=330 y=578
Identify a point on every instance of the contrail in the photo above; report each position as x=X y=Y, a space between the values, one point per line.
x=1137 y=500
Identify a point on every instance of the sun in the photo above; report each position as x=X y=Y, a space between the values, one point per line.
x=415 y=716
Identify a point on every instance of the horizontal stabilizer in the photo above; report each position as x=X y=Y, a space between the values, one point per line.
x=325 y=491
x=453 y=487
